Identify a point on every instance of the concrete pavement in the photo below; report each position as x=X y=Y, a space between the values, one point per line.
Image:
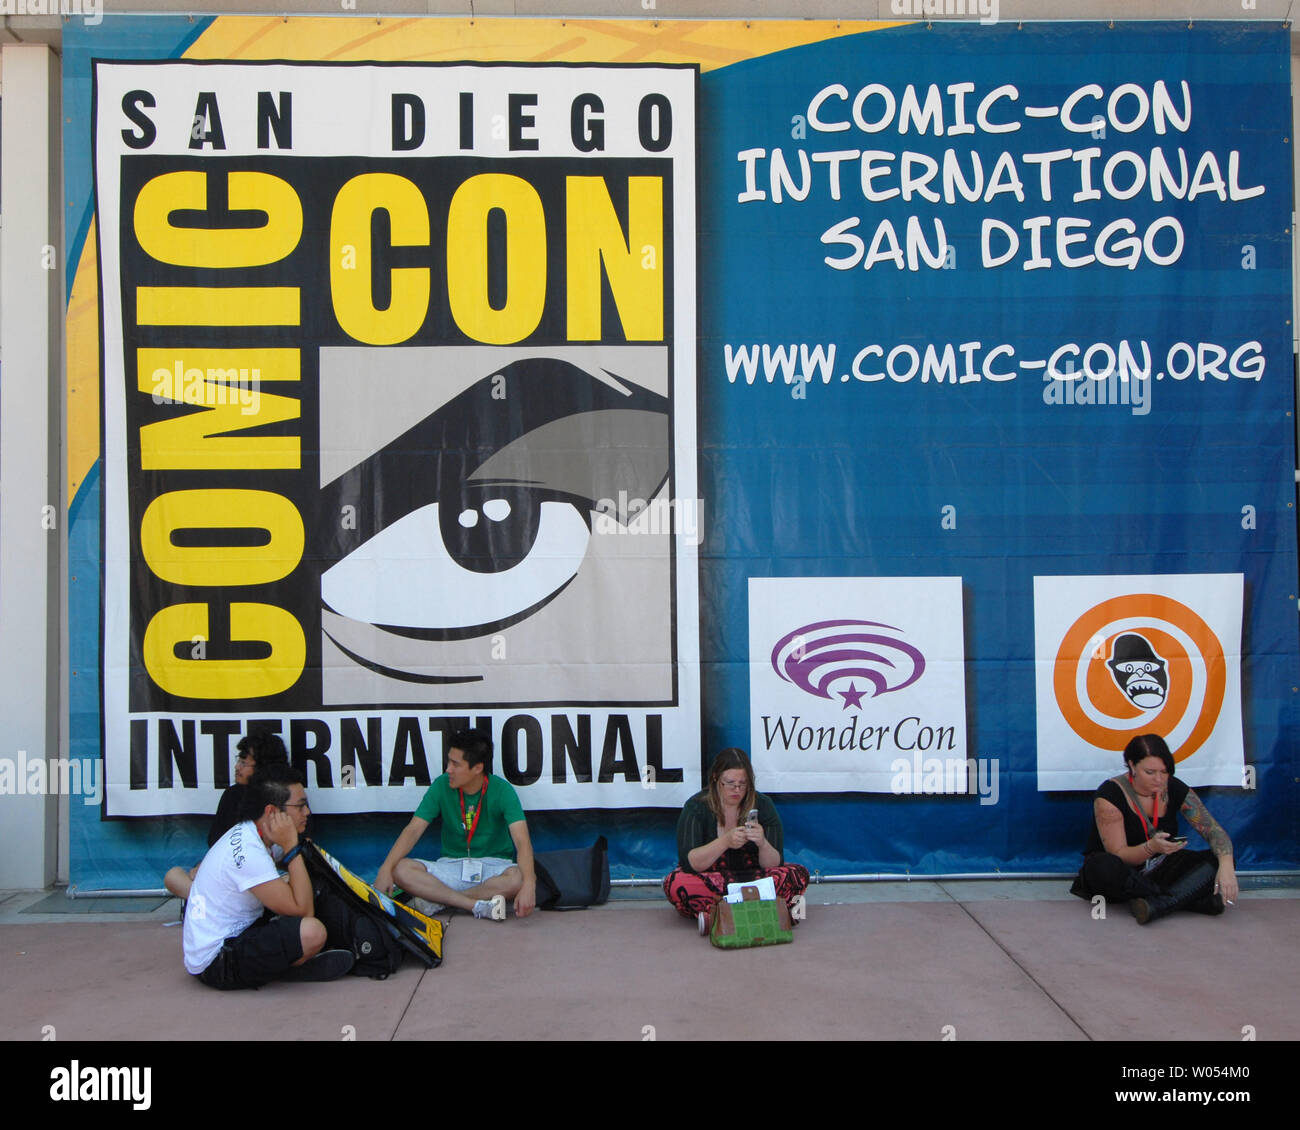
x=920 y=960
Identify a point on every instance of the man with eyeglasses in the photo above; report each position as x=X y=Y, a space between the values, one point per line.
x=256 y=750
x=246 y=926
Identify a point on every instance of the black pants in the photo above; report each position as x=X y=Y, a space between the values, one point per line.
x=262 y=953
x=1116 y=881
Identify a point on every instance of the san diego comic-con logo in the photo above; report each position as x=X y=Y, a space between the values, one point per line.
x=847 y=660
x=1140 y=663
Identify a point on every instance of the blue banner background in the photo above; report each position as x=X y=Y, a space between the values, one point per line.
x=851 y=479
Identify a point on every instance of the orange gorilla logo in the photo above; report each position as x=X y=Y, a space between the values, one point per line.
x=1124 y=667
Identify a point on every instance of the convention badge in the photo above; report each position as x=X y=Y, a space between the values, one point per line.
x=471 y=870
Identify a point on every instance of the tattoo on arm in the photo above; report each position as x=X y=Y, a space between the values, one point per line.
x=1110 y=825
x=1198 y=816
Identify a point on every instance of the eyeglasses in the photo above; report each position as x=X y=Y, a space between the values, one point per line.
x=295 y=804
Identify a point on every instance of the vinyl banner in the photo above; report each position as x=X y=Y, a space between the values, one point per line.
x=911 y=404
x=1006 y=311
x=399 y=427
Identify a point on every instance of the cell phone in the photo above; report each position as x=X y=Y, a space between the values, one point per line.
x=752 y=818
x=1177 y=839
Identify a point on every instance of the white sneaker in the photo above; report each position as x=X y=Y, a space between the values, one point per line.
x=493 y=908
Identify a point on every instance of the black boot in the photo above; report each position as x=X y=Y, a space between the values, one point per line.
x=1184 y=894
x=1207 y=904
x=1139 y=885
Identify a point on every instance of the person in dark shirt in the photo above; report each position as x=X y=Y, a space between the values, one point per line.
x=254 y=750
x=718 y=842
x=1135 y=853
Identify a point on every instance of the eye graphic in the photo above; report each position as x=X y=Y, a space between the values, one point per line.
x=1136 y=668
x=491 y=529
x=480 y=515
x=417 y=575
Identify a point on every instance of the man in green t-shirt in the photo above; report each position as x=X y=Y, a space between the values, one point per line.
x=483 y=833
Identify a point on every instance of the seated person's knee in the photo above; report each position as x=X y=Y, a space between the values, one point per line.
x=178 y=881
x=312 y=934
x=407 y=868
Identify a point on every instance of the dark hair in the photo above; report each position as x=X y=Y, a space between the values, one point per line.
x=270 y=785
x=1149 y=745
x=476 y=745
x=265 y=747
x=731 y=758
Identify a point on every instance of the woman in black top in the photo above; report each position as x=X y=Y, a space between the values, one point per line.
x=260 y=747
x=718 y=844
x=1134 y=854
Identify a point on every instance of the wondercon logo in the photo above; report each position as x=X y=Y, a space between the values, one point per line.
x=847 y=660
x=1136 y=664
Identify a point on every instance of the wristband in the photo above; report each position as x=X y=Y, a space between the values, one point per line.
x=287 y=858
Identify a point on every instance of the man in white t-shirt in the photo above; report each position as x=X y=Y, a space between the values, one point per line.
x=231 y=939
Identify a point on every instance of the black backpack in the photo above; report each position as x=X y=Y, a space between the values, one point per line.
x=351 y=925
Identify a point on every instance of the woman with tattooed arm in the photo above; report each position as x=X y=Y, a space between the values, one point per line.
x=1135 y=853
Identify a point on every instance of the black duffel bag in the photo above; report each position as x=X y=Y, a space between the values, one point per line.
x=573 y=878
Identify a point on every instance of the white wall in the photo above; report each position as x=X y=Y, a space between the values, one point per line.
x=32 y=509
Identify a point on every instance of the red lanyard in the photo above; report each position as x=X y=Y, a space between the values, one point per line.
x=469 y=828
x=1155 y=810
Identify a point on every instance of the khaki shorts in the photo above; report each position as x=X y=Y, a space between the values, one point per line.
x=447 y=871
